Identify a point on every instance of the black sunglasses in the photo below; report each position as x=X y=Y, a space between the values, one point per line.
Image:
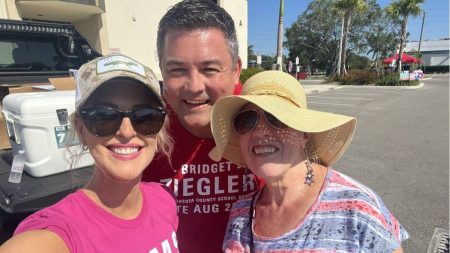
x=105 y=121
x=245 y=121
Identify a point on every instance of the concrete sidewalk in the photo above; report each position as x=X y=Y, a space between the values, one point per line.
x=315 y=86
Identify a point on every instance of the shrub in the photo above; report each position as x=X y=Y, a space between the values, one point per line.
x=393 y=79
x=247 y=73
x=357 y=77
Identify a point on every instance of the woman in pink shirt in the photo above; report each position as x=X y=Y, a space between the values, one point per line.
x=120 y=118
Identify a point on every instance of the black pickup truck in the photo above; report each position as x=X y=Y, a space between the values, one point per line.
x=30 y=53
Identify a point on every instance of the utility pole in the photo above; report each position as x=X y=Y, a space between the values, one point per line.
x=421 y=31
x=420 y=40
x=280 y=37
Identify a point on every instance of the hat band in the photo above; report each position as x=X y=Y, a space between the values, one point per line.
x=274 y=90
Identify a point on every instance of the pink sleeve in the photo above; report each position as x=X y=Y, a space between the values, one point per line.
x=48 y=220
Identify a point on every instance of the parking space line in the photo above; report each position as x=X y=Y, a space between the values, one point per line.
x=341 y=98
x=388 y=91
x=359 y=94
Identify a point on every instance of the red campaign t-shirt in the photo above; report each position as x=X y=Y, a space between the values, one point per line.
x=205 y=189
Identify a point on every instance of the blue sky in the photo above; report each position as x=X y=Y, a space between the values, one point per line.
x=263 y=21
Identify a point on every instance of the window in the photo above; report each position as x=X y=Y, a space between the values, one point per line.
x=32 y=53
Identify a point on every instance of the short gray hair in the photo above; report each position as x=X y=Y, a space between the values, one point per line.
x=198 y=14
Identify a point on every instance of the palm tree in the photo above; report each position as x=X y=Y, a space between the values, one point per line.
x=347 y=8
x=403 y=9
x=280 y=37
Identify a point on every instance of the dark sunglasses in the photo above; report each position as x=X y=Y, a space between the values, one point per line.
x=105 y=121
x=245 y=121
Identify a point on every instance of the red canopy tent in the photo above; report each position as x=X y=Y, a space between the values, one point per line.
x=406 y=58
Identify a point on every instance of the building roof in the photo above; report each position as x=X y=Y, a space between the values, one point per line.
x=428 y=45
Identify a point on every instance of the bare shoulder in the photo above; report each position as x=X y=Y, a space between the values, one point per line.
x=35 y=241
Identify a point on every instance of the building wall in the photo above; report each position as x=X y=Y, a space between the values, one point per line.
x=123 y=27
x=95 y=30
x=238 y=10
x=8 y=10
x=434 y=52
x=132 y=29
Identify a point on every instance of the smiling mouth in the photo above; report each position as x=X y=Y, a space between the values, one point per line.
x=124 y=150
x=264 y=150
x=196 y=102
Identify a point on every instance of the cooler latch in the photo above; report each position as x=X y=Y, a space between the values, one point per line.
x=63 y=116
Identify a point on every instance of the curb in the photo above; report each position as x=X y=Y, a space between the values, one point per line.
x=317 y=90
x=421 y=84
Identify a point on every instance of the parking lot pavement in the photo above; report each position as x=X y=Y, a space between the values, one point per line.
x=400 y=149
x=316 y=86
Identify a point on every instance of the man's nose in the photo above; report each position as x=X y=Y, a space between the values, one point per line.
x=196 y=82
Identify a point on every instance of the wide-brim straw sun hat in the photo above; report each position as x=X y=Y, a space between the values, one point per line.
x=281 y=95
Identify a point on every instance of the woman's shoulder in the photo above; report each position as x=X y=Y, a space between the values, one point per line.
x=57 y=218
x=356 y=201
x=345 y=194
x=356 y=205
x=66 y=207
x=346 y=187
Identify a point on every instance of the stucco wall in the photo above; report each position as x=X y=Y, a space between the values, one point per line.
x=238 y=10
x=8 y=10
x=94 y=29
x=132 y=28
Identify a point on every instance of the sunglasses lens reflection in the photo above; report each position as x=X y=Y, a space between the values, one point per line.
x=105 y=121
x=274 y=121
x=245 y=121
x=147 y=121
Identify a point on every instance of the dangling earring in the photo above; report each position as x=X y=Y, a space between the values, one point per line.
x=156 y=147
x=309 y=170
x=84 y=147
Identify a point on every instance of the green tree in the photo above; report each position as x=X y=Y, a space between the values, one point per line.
x=382 y=39
x=347 y=8
x=251 y=57
x=403 y=9
x=313 y=36
x=267 y=62
x=251 y=53
x=356 y=61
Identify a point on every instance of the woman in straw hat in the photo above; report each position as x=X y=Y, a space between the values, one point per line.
x=305 y=206
x=120 y=118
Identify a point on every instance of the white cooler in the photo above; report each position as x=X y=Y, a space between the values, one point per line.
x=38 y=123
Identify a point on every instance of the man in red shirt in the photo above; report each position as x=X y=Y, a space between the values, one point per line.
x=198 y=53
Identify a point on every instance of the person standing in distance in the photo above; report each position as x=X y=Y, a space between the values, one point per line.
x=198 y=54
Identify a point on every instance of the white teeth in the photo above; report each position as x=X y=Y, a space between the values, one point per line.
x=196 y=102
x=125 y=151
x=264 y=150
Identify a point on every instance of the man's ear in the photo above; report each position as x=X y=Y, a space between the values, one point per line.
x=237 y=70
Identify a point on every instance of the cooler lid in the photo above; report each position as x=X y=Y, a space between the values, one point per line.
x=32 y=103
